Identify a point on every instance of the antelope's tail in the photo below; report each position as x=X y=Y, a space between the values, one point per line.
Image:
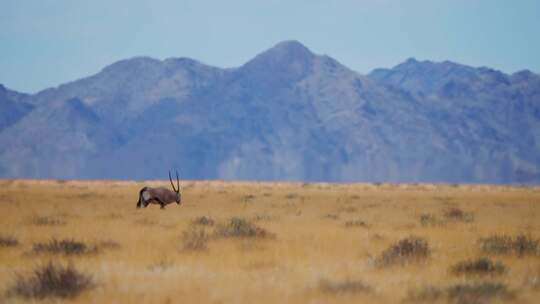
x=139 y=202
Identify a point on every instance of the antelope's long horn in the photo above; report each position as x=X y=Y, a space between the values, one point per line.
x=177 y=181
x=170 y=179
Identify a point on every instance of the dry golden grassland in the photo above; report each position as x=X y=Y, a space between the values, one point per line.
x=269 y=243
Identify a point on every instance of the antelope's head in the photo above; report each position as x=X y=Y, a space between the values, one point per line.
x=177 y=189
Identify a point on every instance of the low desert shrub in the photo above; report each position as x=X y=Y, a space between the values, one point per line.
x=347 y=209
x=263 y=217
x=51 y=280
x=462 y=293
x=408 y=250
x=47 y=221
x=248 y=198
x=331 y=216
x=109 y=244
x=356 y=223
x=519 y=245
x=161 y=265
x=241 y=227
x=480 y=266
x=347 y=286
x=532 y=279
x=203 y=221
x=291 y=196
x=428 y=219
x=66 y=247
x=478 y=293
x=8 y=241
x=195 y=239
x=428 y=294
x=458 y=215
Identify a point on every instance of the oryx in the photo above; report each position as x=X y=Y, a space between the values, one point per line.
x=161 y=196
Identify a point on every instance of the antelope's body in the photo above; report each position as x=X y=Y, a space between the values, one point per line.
x=161 y=196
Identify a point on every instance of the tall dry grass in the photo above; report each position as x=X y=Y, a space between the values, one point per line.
x=270 y=243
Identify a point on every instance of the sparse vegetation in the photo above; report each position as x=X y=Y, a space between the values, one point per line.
x=346 y=286
x=109 y=244
x=66 y=246
x=428 y=219
x=532 y=279
x=195 y=239
x=428 y=294
x=478 y=293
x=140 y=256
x=347 y=209
x=505 y=245
x=262 y=217
x=291 y=196
x=146 y=222
x=47 y=221
x=52 y=280
x=8 y=241
x=162 y=265
x=203 y=221
x=331 y=216
x=241 y=227
x=408 y=250
x=356 y=223
x=480 y=266
x=458 y=215
x=248 y=198
x=463 y=293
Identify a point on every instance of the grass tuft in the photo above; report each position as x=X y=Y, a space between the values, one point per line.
x=428 y=219
x=428 y=294
x=195 y=239
x=52 y=280
x=346 y=286
x=458 y=215
x=408 y=250
x=8 y=241
x=480 y=266
x=203 y=221
x=356 y=223
x=248 y=198
x=66 y=246
x=462 y=293
x=519 y=245
x=109 y=244
x=241 y=227
x=47 y=221
x=478 y=293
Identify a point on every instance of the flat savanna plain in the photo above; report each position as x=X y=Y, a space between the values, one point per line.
x=250 y=242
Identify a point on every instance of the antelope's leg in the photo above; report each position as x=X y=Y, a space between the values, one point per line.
x=161 y=203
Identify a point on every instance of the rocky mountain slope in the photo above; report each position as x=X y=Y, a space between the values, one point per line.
x=287 y=114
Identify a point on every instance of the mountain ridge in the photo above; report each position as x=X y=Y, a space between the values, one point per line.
x=286 y=114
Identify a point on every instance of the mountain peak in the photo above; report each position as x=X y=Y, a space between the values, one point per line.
x=135 y=62
x=285 y=52
x=291 y=46
x=411 y=60
x=523 y=75
x=286 y=62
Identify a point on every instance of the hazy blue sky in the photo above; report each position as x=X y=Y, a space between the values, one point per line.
x=47 y=42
